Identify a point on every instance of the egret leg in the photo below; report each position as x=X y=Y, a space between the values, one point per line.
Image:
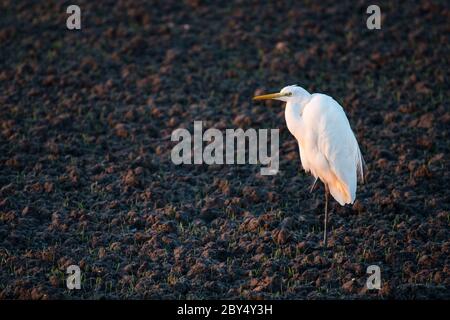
x=326 y=217
x=312 y=187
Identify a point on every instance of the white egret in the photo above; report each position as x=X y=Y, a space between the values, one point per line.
x=328 y=147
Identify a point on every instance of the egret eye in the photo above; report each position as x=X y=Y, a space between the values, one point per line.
x=289 y=94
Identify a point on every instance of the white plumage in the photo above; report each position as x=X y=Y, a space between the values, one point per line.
x=328 y=147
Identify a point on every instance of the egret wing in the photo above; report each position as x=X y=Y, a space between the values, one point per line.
x=337 y=143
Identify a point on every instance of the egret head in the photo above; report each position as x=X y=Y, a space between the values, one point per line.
x=292 y=93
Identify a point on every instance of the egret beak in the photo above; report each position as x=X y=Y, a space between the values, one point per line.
x=269 y=96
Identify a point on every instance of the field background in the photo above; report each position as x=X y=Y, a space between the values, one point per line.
x=85 y=170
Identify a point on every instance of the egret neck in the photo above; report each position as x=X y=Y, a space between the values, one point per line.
x=293 y=114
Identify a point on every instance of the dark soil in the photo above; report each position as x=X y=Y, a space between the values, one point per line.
x=85 y=170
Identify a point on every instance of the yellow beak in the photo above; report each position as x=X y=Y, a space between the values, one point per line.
x=268 y=96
